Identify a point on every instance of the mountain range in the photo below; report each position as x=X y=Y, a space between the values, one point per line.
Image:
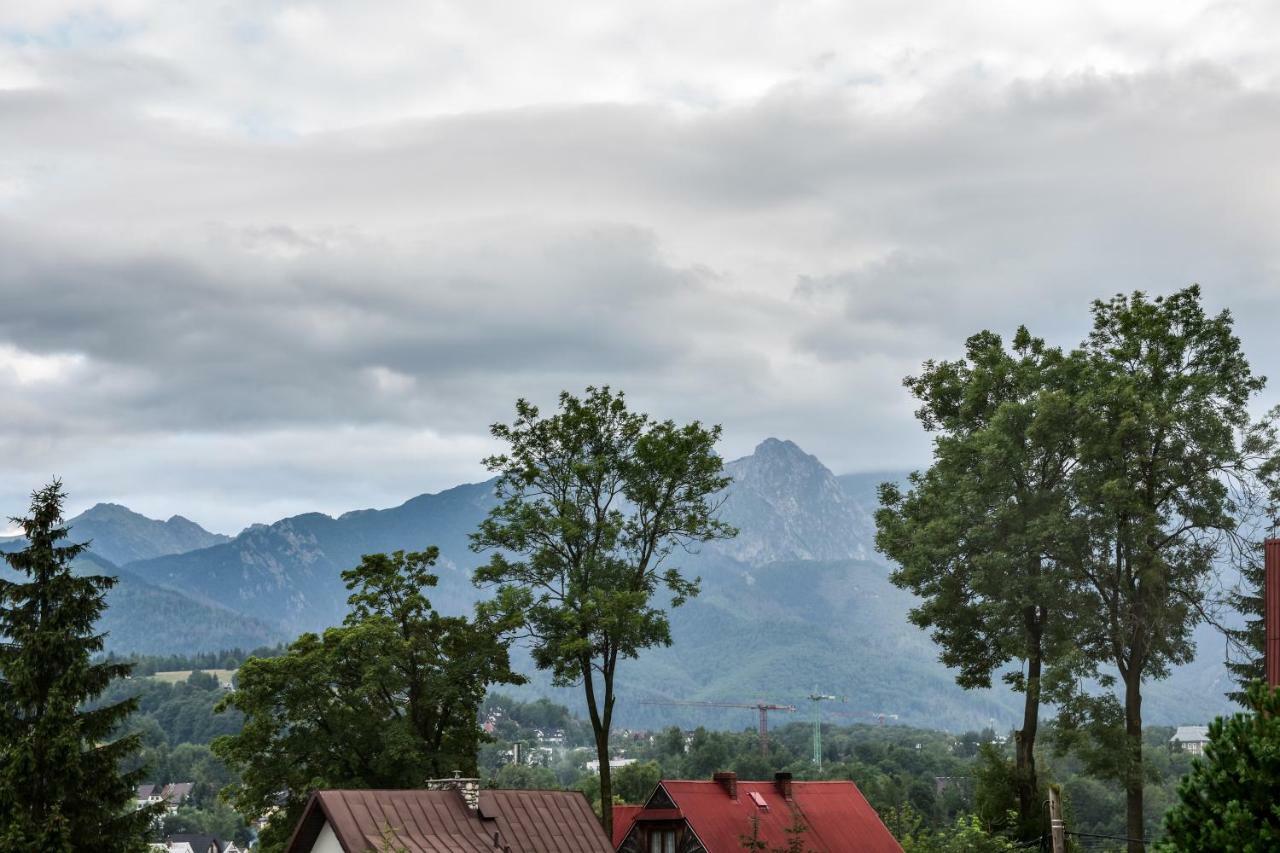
x=798 y=601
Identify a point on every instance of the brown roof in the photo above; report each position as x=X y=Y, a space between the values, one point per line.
x=440 y=822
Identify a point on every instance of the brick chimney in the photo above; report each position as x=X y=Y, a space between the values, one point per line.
x=468 y=789
x=782 y=781
x=728 y=780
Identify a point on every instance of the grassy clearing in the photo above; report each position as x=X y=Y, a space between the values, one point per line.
x=175 y=675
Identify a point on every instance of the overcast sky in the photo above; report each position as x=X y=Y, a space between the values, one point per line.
x=261 y=258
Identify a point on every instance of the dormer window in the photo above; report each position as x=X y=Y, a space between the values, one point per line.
x=662 y=840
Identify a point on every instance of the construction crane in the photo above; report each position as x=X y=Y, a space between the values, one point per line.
x=882 y=716
x=817 y=699
x=763 y=708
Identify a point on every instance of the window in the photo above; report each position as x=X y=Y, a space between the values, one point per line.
x=662 y=841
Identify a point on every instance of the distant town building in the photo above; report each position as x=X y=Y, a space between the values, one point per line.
x=172 y=795
x=1190 y=739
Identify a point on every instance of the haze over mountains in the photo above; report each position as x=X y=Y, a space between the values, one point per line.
x=798 y=600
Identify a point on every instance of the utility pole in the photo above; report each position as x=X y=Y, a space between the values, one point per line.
x=817 y=699
x=1057 y=831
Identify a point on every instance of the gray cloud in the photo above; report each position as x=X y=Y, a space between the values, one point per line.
x=237 y=302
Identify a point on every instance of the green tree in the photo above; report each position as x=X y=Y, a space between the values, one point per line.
x=388 y=700
x=976 y=535
x=523 y=777
x=1166 y=447
x=1231 y=798
x=60 y=777
x=635 y=782
x=593 y=500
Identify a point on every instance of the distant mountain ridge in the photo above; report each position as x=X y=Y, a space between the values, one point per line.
x=798 y=600
x=119 y=535
x=289 y=572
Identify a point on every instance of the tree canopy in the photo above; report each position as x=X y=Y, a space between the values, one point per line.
x=1166 y=446
x=387 y=700
x=593 y=500
x=976 y=535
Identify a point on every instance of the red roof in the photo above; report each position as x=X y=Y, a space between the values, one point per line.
x=838 y=818
x=622 y=817
x=440 y=821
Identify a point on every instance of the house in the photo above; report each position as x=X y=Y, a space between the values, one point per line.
x=147 y=795
x=175 y=794
x=172 y=795
x=194 y=843
x=462 y=819
x=1190 y=739
x=724 y=814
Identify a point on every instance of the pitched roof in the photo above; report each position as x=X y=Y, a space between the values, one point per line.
x=440 y=821
x=836 y=815
x=622 y=819
x=176 y=792
x=1190 y=734
x=199 y=842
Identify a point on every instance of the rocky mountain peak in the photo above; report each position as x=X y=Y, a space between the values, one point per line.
x=789 y=506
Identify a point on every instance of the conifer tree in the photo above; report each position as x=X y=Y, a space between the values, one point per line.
x=61 y=788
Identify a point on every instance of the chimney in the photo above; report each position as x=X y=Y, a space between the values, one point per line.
x=468 y=789
x=728 y=780
x=782 y=781
x=1271 y=603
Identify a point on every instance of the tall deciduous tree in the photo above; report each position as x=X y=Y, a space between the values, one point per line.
x=1165 y=434
x=60 y=781
x=388 y=700
x=592 y=502
x=976 y=535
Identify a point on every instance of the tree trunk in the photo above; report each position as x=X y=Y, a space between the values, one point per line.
x=1133 y=770
x=1025 y=741
x=606 y=783
x=600 y=724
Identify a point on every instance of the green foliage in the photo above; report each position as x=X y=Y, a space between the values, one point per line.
x=217 y=819
x=183 y=711
x=526 y=778
x=1231 y=798
x=385 y=701
x=1245 y=660
x=977 y=534
x=966 y=835
x=60 y=782
x=635 y=782
x=1166 y=452
x=592 y=502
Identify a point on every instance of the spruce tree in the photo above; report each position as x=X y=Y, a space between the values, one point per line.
x=1245 y=662
x=61 y=788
